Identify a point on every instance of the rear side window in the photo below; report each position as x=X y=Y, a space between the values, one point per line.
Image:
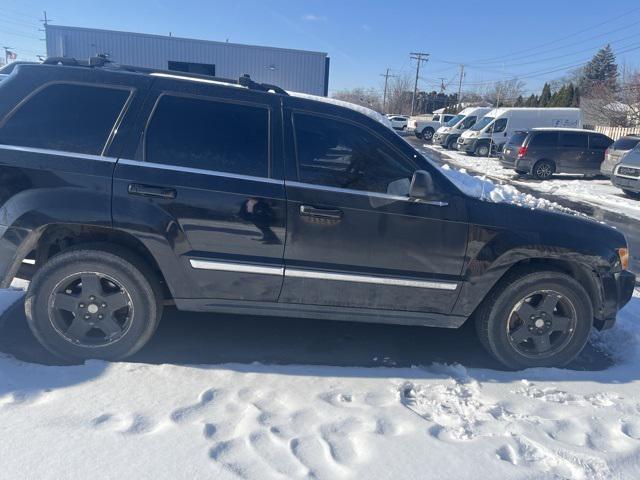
x=517 y=138
x=68 y=117
x=211 y=135
x=574 y=140
x=343 y=155
x=545 y=139
x=625 y=143
x=599 y=142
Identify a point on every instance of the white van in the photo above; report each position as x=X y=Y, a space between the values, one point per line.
x=447 y=135
x=492 y=132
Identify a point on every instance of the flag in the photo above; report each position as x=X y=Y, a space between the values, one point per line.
x=11 y=55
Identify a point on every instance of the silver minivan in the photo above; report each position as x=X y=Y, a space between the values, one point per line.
x=616 y=151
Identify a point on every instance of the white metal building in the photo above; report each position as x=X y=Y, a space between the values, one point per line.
x=296 y=70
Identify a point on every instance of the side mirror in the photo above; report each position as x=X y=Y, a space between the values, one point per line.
x=422 y=187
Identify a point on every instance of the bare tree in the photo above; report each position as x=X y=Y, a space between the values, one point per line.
x=614 y=108
x=366 y=97
x=399 y=95
x=504 y=93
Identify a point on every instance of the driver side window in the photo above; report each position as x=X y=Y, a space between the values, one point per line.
x=498 y=126
x=342 y=155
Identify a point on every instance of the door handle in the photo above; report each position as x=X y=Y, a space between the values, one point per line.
x=322 y=213
x=151 y=191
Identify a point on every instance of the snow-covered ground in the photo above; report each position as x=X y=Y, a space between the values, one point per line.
x=599 y=192
x=255 y=421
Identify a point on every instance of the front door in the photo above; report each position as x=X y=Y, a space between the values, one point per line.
x=354 y=239
x=202 y=191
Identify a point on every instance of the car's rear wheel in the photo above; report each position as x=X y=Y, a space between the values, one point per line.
x=536 y=319
x=427 y=133
x=91 y=303
x=544 y=169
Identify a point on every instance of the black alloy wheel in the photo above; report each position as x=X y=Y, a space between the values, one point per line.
x=90 y=309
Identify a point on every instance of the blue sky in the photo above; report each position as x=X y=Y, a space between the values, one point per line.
x=499 y=39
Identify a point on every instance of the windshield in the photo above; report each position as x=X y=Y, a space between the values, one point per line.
x=454 y=120
x=482 y=123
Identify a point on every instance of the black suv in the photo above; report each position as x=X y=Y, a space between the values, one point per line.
x=123 y=191
x=541 y=152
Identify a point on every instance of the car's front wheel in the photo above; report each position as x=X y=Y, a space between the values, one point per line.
x=482 y=150
x=92 y=303
x=536 y=319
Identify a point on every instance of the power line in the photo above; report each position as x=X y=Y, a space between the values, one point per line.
x=555 y=42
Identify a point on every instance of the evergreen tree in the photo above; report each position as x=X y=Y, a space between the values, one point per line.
x=601 y=71
x=545 y=96
x=519 y=101
x=532 y=101
x=563 y=97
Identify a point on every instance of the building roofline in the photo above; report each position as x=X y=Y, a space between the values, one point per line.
x=172 y=38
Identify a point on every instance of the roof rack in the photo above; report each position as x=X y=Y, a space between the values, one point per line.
x=101 y=61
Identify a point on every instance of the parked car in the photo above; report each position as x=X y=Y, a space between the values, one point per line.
x=398 y=122
x=447 y=135
x=238 y=197
x=616 y=152
x=492 y=132
x=541 y=152
x=626 y=174
x=424 y=128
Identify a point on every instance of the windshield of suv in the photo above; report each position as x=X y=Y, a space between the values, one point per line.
x=454 y=120
x=484 y=121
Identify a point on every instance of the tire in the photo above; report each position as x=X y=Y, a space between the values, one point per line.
x=544 y=170
x=92 y=303
x=501 y=327
x=482 y=150
x=427 y=133
x=631 y=194
x=451 y=144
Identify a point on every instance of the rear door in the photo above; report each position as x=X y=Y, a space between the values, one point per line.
x=598 y=144
x=203 y=190
x=573 y=152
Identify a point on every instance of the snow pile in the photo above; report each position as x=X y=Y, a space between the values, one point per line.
x=485 y=189
x=341 y=103
x=598 y=192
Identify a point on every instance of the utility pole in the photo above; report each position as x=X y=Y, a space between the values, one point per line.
x=386 y=76
x=419 y=57
x=46 y=20
x=460 y=85
x=443 y=87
